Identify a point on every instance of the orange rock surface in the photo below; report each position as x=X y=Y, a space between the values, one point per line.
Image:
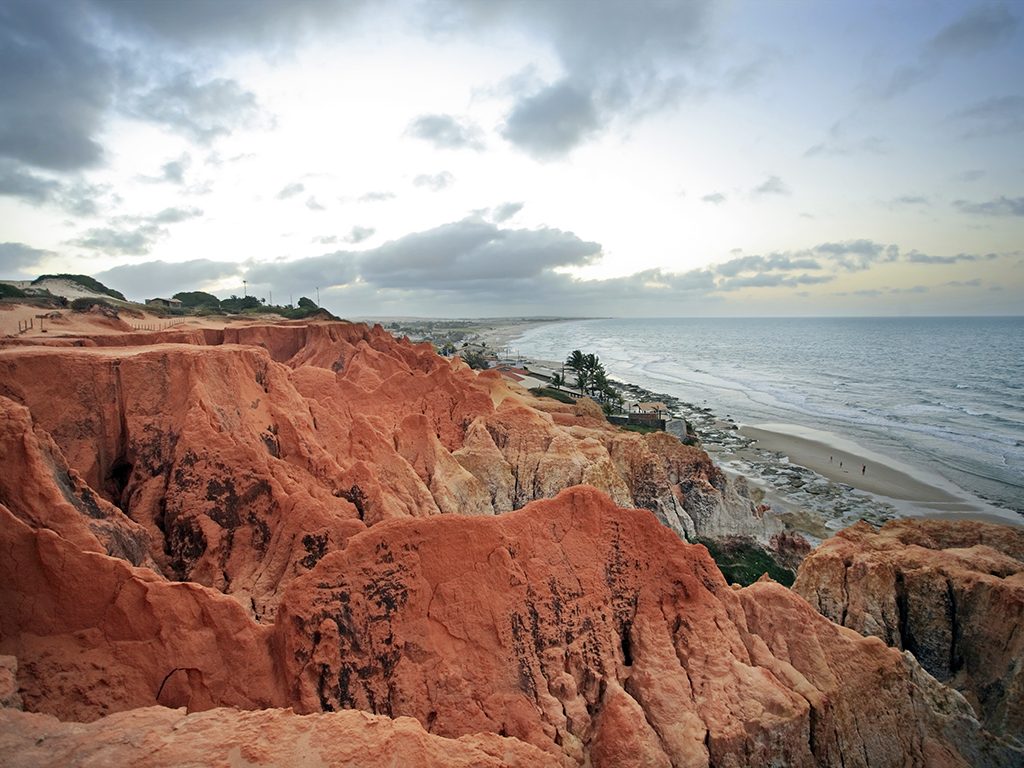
x=951 y=593
x=316 y=515
x=224 y=738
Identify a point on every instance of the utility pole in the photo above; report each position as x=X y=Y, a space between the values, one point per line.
x=318 y=295
x=245 y=290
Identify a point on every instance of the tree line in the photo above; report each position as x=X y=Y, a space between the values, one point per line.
x=591 y=378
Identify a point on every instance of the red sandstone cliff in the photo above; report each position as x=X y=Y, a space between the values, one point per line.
x=245 y=454
x=952 y=593
x=263 y=517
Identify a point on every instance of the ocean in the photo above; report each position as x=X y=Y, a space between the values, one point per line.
x=944 y=395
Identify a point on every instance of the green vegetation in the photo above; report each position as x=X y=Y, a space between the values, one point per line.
x=89 y=283
x=475 y=360
x=592 y=380
x=639 y=428
x=10 y=292
x=236 y=304
x=85 y=303
x=194 y=299
x=743 y=561
x=554 y=394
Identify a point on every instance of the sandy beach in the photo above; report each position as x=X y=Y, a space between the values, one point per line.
x=840 y=461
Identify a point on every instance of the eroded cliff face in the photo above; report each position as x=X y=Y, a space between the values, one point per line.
x=951 y=593
x=308 y=517
x=246 y=454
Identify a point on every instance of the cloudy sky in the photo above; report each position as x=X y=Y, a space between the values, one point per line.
x=489 y=157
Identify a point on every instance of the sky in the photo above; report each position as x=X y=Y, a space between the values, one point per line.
x=483 y=158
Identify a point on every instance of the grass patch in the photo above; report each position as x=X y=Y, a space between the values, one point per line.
x=639 y=428
x=743 y=561
x=554 y=394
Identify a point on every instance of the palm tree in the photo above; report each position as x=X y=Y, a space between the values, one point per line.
x=557 y=381
x=577 y=363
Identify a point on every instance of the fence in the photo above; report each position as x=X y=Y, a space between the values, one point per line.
x=156 y=326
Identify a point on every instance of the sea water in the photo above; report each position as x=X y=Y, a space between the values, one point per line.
x=942 y=394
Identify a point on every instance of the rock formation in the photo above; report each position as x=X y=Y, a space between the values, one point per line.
x=244 y=453
x=951 y=593
x=320 y=517
x=155 y=737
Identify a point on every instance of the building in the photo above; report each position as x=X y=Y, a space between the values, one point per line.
x=169 y=303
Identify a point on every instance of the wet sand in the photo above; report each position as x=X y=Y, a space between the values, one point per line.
x=844 y=462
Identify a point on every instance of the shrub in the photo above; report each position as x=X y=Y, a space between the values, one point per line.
x=743 y=561
x=9 y=291
x=475 y=360
x=639 y=428
x=85 y=303
x=190 y=299
x=554 y=394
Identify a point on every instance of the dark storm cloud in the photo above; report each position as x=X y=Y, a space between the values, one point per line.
x=447 y=132
x=982 y=28
x=552 y=122
x=471 y=250
x=1001 y=206
x=773 y=263
x=616 y=60
x=16 y=182
x=358 y=234
x=469 y=255
x=435 y=183
x=160 y=278
x=244 y=23
x=505 y=211
x=16 y=256
x=304 y=276
x=74 y=197
x=291 y=190
x=55 y=86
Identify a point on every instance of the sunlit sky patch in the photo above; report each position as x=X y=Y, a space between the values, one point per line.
x=496 y=158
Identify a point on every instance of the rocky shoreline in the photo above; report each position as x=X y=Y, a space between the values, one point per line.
x=807 y=502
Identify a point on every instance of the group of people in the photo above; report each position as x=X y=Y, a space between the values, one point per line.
x=863 y=469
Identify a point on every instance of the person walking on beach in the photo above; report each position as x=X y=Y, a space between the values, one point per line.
x=864 y=469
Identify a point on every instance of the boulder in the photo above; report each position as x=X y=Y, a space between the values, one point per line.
x=950 y=593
